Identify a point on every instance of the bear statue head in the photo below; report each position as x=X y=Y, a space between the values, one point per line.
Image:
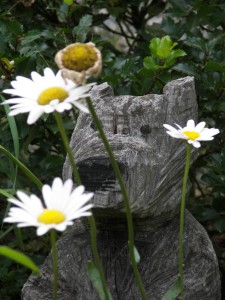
x=150 y=161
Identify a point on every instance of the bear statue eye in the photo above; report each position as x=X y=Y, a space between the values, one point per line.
x=145 y=129
x=93 y=126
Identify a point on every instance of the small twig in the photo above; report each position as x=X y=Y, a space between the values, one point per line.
x=124 y=34
x=115 y=32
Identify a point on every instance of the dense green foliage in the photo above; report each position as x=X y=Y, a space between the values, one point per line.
x=31 y=35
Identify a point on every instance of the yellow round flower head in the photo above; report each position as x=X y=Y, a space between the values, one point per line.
x=78 y=61
x=79 y=57
x=60 y=206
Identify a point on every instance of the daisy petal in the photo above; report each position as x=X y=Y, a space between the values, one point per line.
x=193 y=134
x=191 y=124
x=34 y=115
x=81 y=107
x=45 y=94
x=42 y=230
x=199 y=126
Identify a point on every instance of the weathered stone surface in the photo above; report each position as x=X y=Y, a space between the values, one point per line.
x=152 y=165
x=158 y=267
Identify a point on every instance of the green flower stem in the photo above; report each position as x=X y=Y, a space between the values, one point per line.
x=54 y=262
x=91 y=218
x=182 y=210
x=23 y=168
x=125 y=197
x=19 y=237
x=94 y=248
x=67 y=147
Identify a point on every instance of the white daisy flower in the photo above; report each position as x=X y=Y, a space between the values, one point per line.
x=61 y=206
x=193 y=134
x=45 y=94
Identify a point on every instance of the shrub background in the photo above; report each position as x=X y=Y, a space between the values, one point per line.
x=31 y=32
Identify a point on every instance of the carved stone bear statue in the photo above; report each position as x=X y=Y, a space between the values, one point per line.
x=152 y=166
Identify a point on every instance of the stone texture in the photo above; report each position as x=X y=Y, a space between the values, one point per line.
x=152 y=165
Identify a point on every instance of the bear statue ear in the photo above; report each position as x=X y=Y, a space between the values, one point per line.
x=180 y=101
x=101 y=91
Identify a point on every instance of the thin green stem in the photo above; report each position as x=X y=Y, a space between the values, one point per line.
x=67 y=147
x=125 y=198
x=182 y=210
x=23 y=168
x=94 y=248
x=91 y=219
x=19 y=238
x=54 y=262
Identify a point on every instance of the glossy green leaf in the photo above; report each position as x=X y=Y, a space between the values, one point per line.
x=178 y=53
x=137 y=256
x=68 y=2
x=19 y=258
x=94 y=276
x=154 y=44
x=83 y=28
x=181 y=4
x=219 y=224
x=6 y=194
x=165 y=47
x=173 y=291
x=186 y=69
x=150 y=64
x=214 y=66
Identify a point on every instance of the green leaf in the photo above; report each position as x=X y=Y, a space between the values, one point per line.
x=25 y=170
x=13 y=129
x=178 y=53
x=172 y=57
x=86 y=21
x=173 y=291
x=83 y=28
x=149 y=64
x=15 y=137
x=213 y=42
x=31 y=36
x=210 y=214
x=19 y=258
x=219 y=224
x=196 y=43
x=214 y=66
x=137 y=256
x=154 y=45
x=165 y=47
x=146 y=73
x=95 y=278
x=68 y=2
x=186 y=69
x=181 y=4
x=6 y=194
x=162 y=49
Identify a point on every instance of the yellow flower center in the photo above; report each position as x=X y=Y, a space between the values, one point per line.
x=51 y=216
x=79 y=57
x=52 y=93
x=192 y=135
